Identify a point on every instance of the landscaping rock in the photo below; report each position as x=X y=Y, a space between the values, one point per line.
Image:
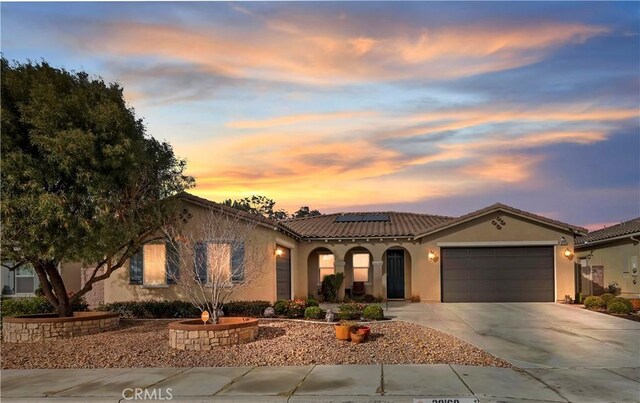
x=269 y=312
x=145 y=343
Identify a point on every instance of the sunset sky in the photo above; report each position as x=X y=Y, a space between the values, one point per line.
x=425 y=107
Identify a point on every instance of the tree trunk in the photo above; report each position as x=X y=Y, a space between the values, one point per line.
x=53 y=287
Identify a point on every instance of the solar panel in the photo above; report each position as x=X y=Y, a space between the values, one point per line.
x=362 y=218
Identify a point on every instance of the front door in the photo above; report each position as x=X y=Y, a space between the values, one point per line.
x=395 y=274
x=283 y=272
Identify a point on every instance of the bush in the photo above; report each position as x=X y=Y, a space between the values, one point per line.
x=33 y=305
x=296 y=308
x=152 y=309
x=373 y=312
x=593 y=302
x=607 y=297
x=312 y=302
x=280 y=307
x=253 y=309
x=313 y=312
x=350 y=310
x=624 y=301
x=331 y=285
x=618 y=307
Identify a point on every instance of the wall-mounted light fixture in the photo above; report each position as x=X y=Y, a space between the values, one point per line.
x=432 y=256
x=279 y=252
x=568 y=254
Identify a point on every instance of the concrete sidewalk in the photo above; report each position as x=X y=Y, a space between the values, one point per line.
x=322 y=383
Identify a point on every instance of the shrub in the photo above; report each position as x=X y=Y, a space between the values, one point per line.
x=295 y=308
x=607 y=297
x=618 y=307
x=373 y=312
x=152 y=309
x=313 y=312
x=280 y=307
x=253 y=309
x=350 y=310
x=312 y=302
x=624 y=301
x=593 y=302
x=33 y=306
x=331 y=285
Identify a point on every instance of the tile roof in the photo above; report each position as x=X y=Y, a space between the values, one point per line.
x=614 y=231
x=398 y=225
x=502 y=207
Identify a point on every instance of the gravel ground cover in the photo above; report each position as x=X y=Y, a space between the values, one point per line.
x=145 y=343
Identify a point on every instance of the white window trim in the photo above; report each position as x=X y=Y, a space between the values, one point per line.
x=320 y=254
x=369 y=268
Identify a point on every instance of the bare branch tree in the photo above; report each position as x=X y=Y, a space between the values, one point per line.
x=218 y=255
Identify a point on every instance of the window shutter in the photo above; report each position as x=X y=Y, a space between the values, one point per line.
x=237 y=263
x=200 y=252
x=136 y=268
x=173 y=263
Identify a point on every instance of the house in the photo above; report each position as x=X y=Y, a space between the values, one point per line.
x=496 y=254
x=23 y=281
x=609 y=257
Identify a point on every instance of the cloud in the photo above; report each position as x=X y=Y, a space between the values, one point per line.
x=298 y=119
x=285 y=52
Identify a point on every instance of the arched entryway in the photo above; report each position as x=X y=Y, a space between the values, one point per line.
x=396 y=271
x=358 y=272
x=320 y=262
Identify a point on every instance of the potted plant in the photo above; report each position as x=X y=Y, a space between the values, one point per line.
x=364 y=330
x=343 y=330
x=356 y=336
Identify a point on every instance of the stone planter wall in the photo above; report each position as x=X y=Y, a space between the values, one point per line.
x=34 y=328
x=193 y=335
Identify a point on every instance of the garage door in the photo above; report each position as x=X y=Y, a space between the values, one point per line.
x=520 y=274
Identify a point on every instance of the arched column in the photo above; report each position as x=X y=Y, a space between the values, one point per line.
x=339 y=266
x=379 y=283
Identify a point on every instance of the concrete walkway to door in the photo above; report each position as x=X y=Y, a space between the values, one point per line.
x=534 y=335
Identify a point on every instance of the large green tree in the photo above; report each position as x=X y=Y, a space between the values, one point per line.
x=81 y=179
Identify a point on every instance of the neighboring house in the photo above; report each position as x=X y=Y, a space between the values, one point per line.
x=609 y=256
x=498 y=253
x=23 y=281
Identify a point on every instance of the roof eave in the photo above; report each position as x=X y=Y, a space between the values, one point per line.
x=569 y=228
x=606 y=240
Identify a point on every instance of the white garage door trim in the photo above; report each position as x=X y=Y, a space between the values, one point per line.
x=496 y=243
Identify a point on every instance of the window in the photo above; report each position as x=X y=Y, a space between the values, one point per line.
x=326 y=264
x=219 y=261
x=155 y=264
x=361 y=267
x=25 y=280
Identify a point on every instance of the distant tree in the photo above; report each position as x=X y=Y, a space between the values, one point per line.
x=81 y=180
x=305 y=212
x=260 y=205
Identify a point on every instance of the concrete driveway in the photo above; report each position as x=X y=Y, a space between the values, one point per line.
x=534 y=335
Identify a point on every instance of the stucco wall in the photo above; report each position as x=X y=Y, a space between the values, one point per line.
x=617 y=257
x=262 y=241
x=427 y=273
x=307 y=278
